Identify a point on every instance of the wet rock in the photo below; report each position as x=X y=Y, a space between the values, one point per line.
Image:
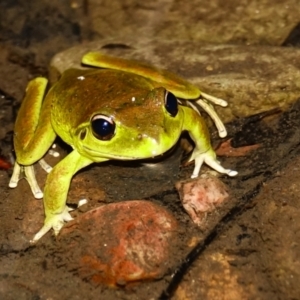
x=119 y=243
x=201 y=196
x=236 y=21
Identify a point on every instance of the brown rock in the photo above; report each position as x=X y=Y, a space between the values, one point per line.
x=120 y=242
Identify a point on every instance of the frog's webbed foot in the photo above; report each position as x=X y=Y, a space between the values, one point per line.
x=27 y=172
x=209 y=158
x=56 y=221
x=203 y=102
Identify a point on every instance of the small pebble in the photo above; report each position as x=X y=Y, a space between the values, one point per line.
x=201 y=195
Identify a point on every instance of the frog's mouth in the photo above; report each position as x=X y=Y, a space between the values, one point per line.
x=100 y=156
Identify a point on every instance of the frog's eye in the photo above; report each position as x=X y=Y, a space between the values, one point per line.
x=103 y=127
x=171 y=104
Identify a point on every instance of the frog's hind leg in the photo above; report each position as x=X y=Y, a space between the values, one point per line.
x=170 y=81
x=33 y=135
x=173 y=83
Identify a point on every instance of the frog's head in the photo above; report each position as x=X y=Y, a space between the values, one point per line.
x=139 y=127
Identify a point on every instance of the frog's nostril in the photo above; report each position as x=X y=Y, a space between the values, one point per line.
x=82 y=134
x=142 y=136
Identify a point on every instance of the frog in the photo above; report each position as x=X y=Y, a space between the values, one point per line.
x=114 y=109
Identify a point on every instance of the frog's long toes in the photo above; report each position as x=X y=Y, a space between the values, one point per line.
x=45 y=166
x=54 y=221
x=41 y=233
x=53 y=153
x=68 y=218
x=215 y=100
x=213 y=114
x=15 y=176
x=82 y=202
x=57 y=227
x=35 y=189
x=62 y=217
x=213 y=163
x=12 y=184
x=70 y=208
x=222 y=132
x=38 y=194
x=232 y=173
x=30 y=176
x=209 y=158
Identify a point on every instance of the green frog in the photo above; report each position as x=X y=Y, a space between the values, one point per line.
x=116 y=109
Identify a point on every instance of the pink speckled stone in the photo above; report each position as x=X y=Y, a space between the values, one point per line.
x=201 y=195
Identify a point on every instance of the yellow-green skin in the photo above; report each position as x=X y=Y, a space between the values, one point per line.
x=132 y=94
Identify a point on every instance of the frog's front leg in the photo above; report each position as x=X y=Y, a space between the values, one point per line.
x=203 y=152
x=56 y=190
x=33 y=134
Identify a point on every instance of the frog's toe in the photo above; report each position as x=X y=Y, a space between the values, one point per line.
x=29 y=175
x=231 y=173
x=215 y=100
x=41 y=233
x=80 y=203
x=38 y=194
x=67 y=217
x=211 y=161
x=45 y=166
x=55 y=222
x=13 y=183
x=15 y=176
x=53 y=152
x=211 y=111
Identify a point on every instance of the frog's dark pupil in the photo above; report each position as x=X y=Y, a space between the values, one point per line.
x=171 y=104
x=103 y=129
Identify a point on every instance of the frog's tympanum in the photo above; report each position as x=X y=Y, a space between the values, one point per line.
x=121 y=110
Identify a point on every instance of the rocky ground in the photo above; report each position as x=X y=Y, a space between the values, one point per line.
x=135 y=238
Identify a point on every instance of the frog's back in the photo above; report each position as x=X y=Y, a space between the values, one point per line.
x=79 y=94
